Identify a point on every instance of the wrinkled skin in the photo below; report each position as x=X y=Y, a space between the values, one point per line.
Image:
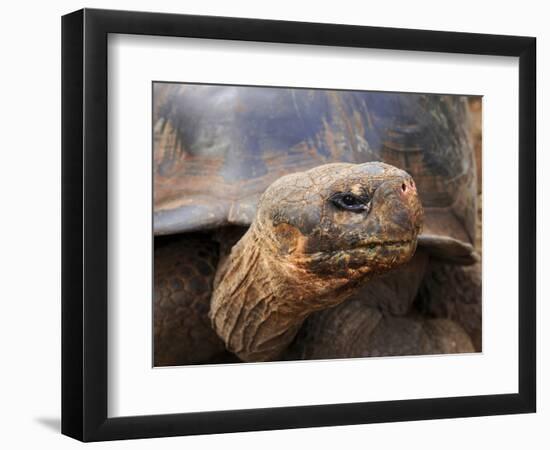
x=309 y=248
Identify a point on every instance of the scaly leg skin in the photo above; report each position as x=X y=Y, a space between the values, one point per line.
x=354 y=330
x=416 y=336
x=184 y=273
x=378 y=321
x=454 y=292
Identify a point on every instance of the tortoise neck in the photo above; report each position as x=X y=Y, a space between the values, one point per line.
x=260 y=300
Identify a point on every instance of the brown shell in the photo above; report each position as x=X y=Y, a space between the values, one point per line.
x=217 y=148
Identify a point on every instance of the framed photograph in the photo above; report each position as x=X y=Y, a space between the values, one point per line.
x=273 y=224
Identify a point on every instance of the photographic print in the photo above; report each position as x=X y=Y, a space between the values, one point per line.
x=309 y=224
x=261 y=225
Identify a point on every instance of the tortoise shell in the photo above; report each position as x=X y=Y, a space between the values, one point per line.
x=217 y=148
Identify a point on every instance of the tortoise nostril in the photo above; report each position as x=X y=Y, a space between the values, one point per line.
x=403 y=187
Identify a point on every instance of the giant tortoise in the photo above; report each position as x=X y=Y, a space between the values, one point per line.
x=302 y=223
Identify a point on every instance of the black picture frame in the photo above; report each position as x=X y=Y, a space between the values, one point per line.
x=84 y=224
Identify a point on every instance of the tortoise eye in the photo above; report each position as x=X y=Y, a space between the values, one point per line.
x=349 y=201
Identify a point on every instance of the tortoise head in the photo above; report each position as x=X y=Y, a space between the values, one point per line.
x=342 y=219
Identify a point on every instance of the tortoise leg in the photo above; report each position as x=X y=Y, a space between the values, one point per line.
x=415 y=336
x=335 y=332
x=354 y=329
x=343 y=331
x=184 y=273
x=454 y=292
x=380 y=321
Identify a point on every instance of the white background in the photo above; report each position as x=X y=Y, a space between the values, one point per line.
x=30 y=323
x=135 y=389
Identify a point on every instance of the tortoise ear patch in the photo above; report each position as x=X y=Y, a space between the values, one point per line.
x=290 y=239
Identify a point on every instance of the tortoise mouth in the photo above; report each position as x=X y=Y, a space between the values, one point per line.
x=387 y=244
x=358 y=261
x=362 y=246
x=381 y=254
